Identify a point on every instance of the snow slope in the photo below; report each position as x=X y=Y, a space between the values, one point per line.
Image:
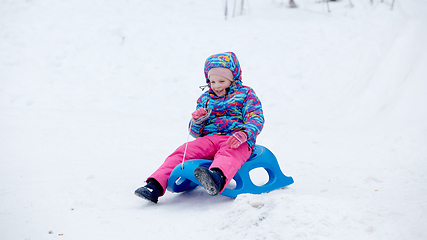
x=95 y=94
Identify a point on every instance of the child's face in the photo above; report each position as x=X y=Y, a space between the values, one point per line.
x=219 y=84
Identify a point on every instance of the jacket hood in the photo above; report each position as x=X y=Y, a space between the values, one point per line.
x=225 y=60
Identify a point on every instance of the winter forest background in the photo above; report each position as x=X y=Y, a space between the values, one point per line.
x=95 y=94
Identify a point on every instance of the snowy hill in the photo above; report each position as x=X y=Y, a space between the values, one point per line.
x=95 y=94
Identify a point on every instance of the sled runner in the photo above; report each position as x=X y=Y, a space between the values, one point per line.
x=183 y=179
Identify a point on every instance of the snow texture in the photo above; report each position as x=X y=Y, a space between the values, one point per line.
x=95 y=94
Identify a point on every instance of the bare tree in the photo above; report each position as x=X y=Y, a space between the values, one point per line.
x=292 y=4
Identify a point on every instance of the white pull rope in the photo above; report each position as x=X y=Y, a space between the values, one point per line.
x=198 y=121
x=186 y=144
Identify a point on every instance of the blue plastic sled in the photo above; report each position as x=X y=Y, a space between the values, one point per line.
x=183 y=179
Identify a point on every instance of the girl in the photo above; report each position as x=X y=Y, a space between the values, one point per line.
x=226 y=122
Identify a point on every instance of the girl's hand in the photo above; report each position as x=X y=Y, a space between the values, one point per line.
x=199 y=113
x=235 y=140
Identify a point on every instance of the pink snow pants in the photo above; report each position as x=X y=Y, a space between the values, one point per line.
x=211 y=147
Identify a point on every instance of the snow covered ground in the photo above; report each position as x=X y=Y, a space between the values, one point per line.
x=95 y=94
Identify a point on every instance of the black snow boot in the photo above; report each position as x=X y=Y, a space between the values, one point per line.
x=151 y=191
x=211 y=180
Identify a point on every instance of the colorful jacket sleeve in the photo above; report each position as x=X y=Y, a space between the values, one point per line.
x=253 y=116
x=195 y=129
